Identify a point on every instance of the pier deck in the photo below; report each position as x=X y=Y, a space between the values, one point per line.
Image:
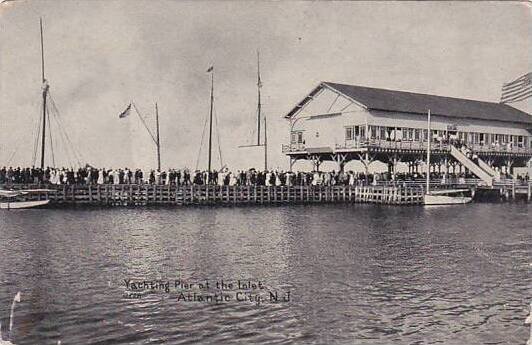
x=400 y=193
x=146 y=195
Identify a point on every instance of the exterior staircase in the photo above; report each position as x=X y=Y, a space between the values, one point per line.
x=482 y=173
x=496 y=175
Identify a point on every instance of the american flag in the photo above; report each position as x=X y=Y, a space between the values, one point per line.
x=517 y=90
x=125 y=112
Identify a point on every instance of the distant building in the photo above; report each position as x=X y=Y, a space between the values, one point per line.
x=340 y=123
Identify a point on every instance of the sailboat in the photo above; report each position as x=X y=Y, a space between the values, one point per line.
x=16 y=199
x=441 y=197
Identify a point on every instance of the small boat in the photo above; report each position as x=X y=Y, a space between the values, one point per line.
x=15 y=199
x=446 y=196
x=441 y=199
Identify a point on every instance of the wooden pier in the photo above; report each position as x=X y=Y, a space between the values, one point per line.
x=148 y=195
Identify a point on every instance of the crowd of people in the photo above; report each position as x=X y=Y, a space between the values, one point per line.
x=184 y=177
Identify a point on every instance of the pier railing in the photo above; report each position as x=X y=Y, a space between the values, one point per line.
x=146 y=195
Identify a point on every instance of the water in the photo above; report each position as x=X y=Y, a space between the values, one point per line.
x=358 y=274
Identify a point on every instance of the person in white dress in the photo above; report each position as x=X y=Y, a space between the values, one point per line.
x=221 y=177
x=100 y=176
x=232 y=179
x=268 y=177
x=351 y=178
x=116 y=177
x=277 y=179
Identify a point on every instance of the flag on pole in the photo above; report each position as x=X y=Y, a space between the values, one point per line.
x=210 y=69
x=517 y=90
x=17 y=297
x=125 y=112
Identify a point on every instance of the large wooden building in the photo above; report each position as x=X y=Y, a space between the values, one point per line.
x=338 y=122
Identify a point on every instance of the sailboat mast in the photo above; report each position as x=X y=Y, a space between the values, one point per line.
x=210 y=121
x=429 y=139
x=258 y=98
x=265 y=146
x=44 y=91
x=158 y=138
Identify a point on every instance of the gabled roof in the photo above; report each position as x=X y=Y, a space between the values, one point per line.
x=417 y=103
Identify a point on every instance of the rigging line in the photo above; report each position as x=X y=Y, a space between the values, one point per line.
x=12 y=155
x=144 y=123
x=50 y=137
x=54 y=110
x=201 y=143
x=76 y=154
x=218 y=136
x=63 y=135
x=37 y=137
x=253 y=131
x=17 y=147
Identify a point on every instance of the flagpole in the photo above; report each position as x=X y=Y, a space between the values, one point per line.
x=258 y=97
x=210 y=120
x=158 y=138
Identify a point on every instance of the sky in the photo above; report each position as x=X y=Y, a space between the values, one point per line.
x=101 y=55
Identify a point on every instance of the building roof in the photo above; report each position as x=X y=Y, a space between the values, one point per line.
x=417 y=103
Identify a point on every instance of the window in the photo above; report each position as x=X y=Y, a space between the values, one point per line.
x=502 y=139
x=416 y=134
x=383 y=132
x=296 y=138
x=373 y=132
x=348 y=133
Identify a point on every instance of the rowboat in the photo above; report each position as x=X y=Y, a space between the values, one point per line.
x=16 y=199
x=440 y=199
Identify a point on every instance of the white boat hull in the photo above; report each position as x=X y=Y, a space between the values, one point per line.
x=446 y=200
x=22 y=204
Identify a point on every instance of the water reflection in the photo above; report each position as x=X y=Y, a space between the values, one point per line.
x=359 y=274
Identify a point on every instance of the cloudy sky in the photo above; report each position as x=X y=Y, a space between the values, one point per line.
x=100 y=55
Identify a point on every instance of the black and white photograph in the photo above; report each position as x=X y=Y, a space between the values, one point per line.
x=265 y=172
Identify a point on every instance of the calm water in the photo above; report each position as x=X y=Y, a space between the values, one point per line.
x=358 y=274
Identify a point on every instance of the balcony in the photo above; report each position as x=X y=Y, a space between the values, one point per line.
x=507 y=148
x=436 y=146
x=411 y=145
x=384 y=144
